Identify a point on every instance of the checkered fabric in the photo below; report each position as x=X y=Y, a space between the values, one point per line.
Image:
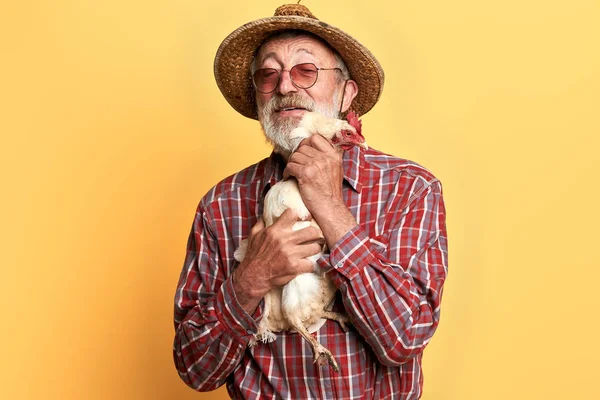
x=390 y=271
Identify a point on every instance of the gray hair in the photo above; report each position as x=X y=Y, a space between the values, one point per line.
x=294 y=33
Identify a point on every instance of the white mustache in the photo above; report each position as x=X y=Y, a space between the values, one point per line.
x=290 y=101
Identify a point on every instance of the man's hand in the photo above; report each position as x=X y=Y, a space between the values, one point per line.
x=275 y=255
x=317 y=165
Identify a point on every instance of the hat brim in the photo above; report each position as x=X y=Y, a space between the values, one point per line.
x=236 y=52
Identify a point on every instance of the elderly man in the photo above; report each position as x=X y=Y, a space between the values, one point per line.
x=382 y=218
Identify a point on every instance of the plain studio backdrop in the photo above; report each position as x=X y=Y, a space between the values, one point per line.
x=112 y=129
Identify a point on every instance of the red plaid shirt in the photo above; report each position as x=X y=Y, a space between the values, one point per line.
x=390 y=270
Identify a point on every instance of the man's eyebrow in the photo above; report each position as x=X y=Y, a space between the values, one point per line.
x=272 y=54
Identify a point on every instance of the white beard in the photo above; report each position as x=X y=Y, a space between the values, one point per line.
x=277 y=129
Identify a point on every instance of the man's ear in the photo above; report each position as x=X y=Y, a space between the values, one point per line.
x=349 y=94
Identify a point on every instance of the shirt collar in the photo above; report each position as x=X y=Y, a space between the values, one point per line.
x=353 y=163
x=354 y=166
x=273 y=170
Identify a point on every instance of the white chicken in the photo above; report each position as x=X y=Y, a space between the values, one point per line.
x=302 y=303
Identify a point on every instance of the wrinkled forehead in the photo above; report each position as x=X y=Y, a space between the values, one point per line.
x=294 y=44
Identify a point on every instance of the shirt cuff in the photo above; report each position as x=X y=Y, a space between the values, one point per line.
x=348 y=256
x=232 y=314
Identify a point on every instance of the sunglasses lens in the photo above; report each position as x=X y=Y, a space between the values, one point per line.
x=304 y=75
x=266 y=79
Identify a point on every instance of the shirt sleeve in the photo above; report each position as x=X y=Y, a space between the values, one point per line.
x=212 y=330
x=392 y=284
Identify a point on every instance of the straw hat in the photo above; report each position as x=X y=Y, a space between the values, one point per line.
x=235 y=55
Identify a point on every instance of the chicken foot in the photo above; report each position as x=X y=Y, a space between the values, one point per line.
x=322 y=356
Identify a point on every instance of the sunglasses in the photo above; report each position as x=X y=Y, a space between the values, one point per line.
x=303 y=76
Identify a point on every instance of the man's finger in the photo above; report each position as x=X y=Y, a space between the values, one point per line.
x=305 y=265
x=303 y=141
x=308 y=234
x=308 y=249
x=288 y=218
x=300 y=158
x=320 y=143
x=306 y=151
x=259 y=226
x=291 y=169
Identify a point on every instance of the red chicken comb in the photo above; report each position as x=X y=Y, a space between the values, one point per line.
x=353 y=120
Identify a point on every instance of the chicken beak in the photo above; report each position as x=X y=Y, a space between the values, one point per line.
x=364 y=145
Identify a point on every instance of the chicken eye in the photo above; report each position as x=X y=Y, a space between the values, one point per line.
x=347 y=133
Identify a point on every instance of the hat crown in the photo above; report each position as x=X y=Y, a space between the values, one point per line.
x=295 y=10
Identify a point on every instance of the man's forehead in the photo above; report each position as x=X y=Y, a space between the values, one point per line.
x=296 y=44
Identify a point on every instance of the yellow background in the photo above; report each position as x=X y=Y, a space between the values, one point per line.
x=112 y=128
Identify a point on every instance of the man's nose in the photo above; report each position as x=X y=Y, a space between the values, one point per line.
x=285 y=83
